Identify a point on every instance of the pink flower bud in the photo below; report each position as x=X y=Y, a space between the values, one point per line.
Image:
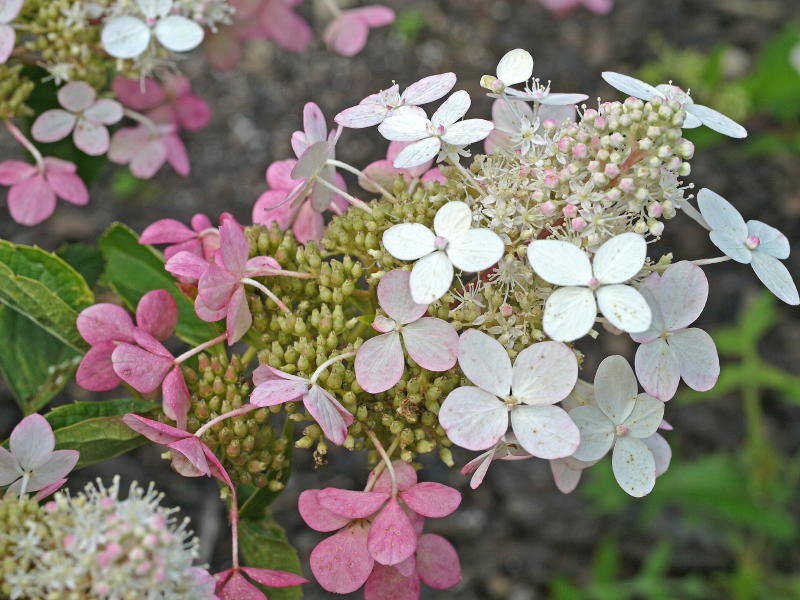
x=547 y=208
x=752 y=242
x=578 y=223
x=570 y=211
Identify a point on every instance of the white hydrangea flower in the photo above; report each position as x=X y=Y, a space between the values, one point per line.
x=696 y=114
x=452 y=243
x=443 y=132
x=128 y=37
x=570 y=311
x=624 y=419
x=754 y=243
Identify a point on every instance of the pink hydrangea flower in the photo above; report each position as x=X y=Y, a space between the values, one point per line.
x=83 y=115
x=347 y=34
x=233 y=584
x=563 y=7
x=384 y=173
x=33 y=464
x=432 y=343
x=508 y=448
x=33 y=189
x=168 y=102
x=146 y=147
x=274 y=206
x=542 y=375
x=378 y=527
x=9 y=9
x=670 y=349
x=273 y=387
x=201 y=240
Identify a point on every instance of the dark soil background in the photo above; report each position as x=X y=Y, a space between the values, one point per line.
x=517 y=530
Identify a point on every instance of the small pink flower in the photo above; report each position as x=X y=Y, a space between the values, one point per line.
x=145 y=149
x=9 y=9
x=508 y=448
x=347 y=33
x=432 y=343
x=201 y=240
x=374 y=528
x=33 y=189
x=232 y=584
x=168 y=102
x=562 y=7
x=276 y=387
x=32 y=465
x=384 y=172
x=83 y=115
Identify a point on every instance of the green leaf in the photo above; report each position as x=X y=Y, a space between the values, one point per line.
x=263 y=543
x=259 y=499
x=69 y=414
x=133 y=269
x=98 y=439
x=45 y=289
x=86 y=260
x=34 y=364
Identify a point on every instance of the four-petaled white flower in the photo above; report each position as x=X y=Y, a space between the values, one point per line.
x=754 y=243
x=696 y=114
x=624 y=419
x=373 y=109
x=443 y=132
x=670 y=349
x=543 y=374
x=454 y=243
x=128 y=37
x=570 y=311
x=431 y=342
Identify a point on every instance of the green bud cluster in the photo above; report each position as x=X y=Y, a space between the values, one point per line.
x=18 y=517
x=248 y=446
x=15 y=88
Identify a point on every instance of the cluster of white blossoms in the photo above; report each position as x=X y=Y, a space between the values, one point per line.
x=542 y=242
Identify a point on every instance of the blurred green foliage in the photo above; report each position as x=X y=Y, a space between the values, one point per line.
x=409 y=25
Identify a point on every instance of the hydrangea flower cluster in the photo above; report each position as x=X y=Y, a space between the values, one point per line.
x=443 y=309
x=115 y=60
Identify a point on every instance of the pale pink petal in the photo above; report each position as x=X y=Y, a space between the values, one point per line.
x=239 y=317
x=545 y=431
x=485 y=363
x=314 y=124
x=473 y=418
x=615 y=388
x=682 y=294
x=374 y=15
x=381 y=172
x=437 y=562
x=8 y=39
x=272 y=207
x=104 y=111
x=346 y=34
x=544 y=373
x=329 y=414
x=15 y=171
x=9 y=468
x=315 y=515
x=187 y=264
x=658 y=369
x=177 y=156
x=662 y=453
x=566 y=478
x=697 y=358
x=596 y=432
x=279 y=174
x=217 y=285
x=267 y=373
x=139 y=368
x=278 y=391
x=394 y=297
x=166 y=231
x=191 y=448
x=238 y=588
x=96 y=371
x=54 y=469
x=155 y=431
x=272 y=578
x=429 y=88
x=390 y=583
x=137 y=95
x=177 y=400
x=91 y=138
x=148 y=159
x=634 y=466
x=103 y=322
x=76 y=96
x=53 y=125
x=126 y=143
x=646 y=417
x=157 y=313
x=308 y=225
x=391 y=538
x=192 y=111
x=285 y=26
x=234 y=248
x=362 y=115
x=261 y=266
x=380 y=363
x=350 y=503
x=32 y=442
x=48 y=490
x=68 y=186
x=431 y=499
x=478 y=466
x=31 y=201
x=342 y=563
x=404 y=472
x=432 y=343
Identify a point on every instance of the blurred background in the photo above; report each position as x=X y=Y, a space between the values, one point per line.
x=723 y=522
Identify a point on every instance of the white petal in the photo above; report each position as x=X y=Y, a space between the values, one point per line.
x=620 y=258
x=565 y=477
x=475 y=250
x=10 y=470
x=559 y=263
x=515 y=67
x=154 y=8
x=404 y=128
x=32 y=441
x=473 y=419
x=545 y=431
x=731 y=246
x=125 y=37
x=776 y=277
x=362 y=115
x=647 y=414
x=597 y=432
x=624 y=307
x=9 y=9
x=431 y=278
x=452 y=109
x=631 y=86
x=721 y=215
x=569 y=314
x=657 y=369
x=697 y=358
x=716 y=121
x=682 y=294
x=634 y=466
x=408 y=241
x=380 y=363
x=178 y=33
x=429 y=88
x=467 y=132
x=771 y=240
x=312 y=159
x=662 y=453
x=485 y=362
x=417 y=153
x=432 y=343
x=563 y=99
x=544 y=373
x=615 y=388
x=452 y=219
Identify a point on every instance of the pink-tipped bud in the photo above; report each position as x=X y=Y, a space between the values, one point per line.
x=506 y=310
x=578 y=223
x=594 y=283
x=611 y=170
x=655 y=209
x=550 y=178
x=579 y=151
x=547 y=208
x=440 y=242
x=626 y=184
x=752 y=242
x=621 y=430
x=564 y=144
x=570 y=211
